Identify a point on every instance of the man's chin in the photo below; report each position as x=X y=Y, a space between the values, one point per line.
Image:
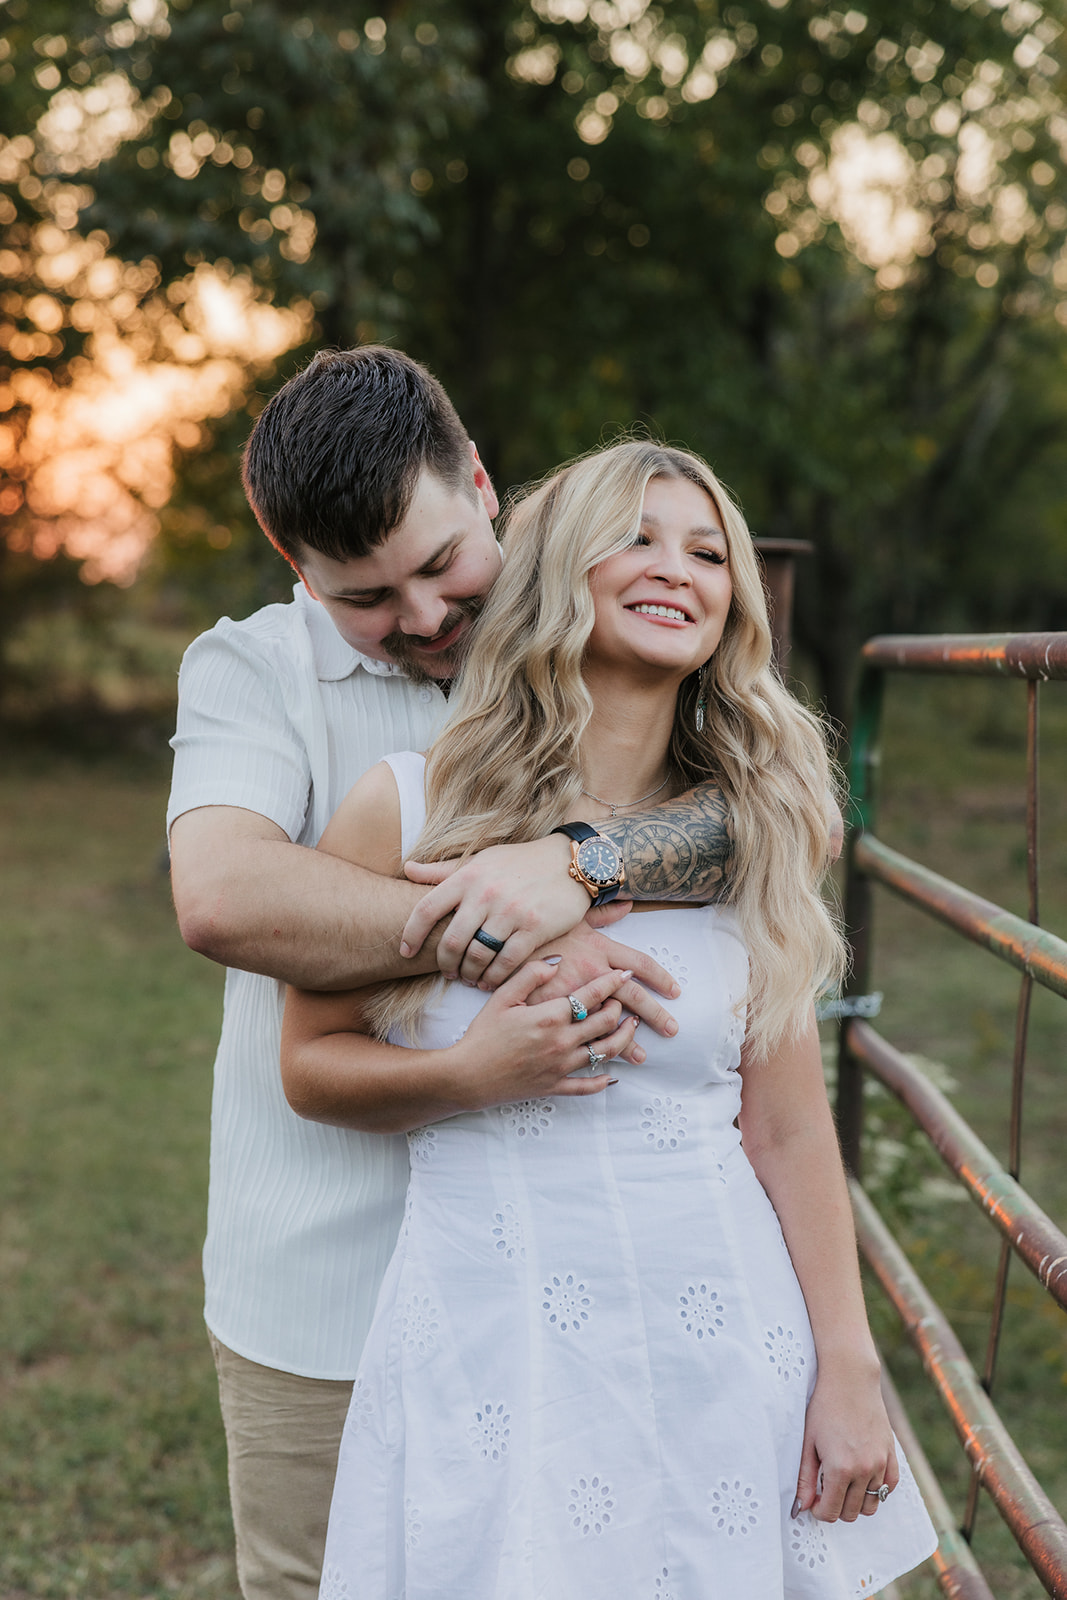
x=432 y=666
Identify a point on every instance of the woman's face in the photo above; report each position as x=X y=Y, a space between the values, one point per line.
x=664 y=601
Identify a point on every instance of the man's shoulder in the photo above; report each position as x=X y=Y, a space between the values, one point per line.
x=271 y=624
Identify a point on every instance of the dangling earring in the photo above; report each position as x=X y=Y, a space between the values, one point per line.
x=702 y=698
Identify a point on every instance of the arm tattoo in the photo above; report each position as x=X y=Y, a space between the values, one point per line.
x=680 y=850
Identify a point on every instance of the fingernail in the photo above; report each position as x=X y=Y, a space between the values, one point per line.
x=611 y=1081
x=625 y=975
x=553 y=961
x=676 y=991
x=637 y=1057
x=672 y=1028
x=405 y=948
x=796 y=1506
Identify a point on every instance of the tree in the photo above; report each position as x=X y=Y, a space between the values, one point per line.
x=588 y=214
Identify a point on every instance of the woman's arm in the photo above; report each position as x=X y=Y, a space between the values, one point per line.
x=334 y=1071
x=789 y=1137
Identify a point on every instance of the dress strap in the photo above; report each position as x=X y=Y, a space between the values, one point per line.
x=409 y=769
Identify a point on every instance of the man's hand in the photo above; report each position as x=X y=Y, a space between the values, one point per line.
x=584 y=956
x=520 y=894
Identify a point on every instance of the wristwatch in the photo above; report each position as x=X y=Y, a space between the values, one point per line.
x=596 y=862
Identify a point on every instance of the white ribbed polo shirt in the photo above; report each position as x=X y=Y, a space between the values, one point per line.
x=278 y=715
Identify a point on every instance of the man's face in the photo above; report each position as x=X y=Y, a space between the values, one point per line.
x=414 y=598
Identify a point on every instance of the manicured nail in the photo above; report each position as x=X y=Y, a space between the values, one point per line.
x=796 y=1506
x=676 y=991
x=638 y=1056
x=553 y=961
x=623 y=977
x=611 y=1081
x=405 y=948
x=672 y=1028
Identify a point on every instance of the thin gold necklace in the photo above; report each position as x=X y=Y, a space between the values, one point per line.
x=625 y=805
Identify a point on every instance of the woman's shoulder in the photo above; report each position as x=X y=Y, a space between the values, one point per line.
x=366 y=827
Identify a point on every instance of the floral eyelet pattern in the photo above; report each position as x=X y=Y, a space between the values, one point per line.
x=412 y=1525
x=734 y=1508
x=661 y=1591
x=419 y=1325
x=670 y=962
x=422 y=1146
x=590 y=1505
x=702 y=1311
x=334 y=1585
x=490 y=1432
x=361 y=1407
x=507 y=1235
x=527 y=1119
x=807 y=1542
x=785 y=1353
x=567 y=1302
x=663 y=1123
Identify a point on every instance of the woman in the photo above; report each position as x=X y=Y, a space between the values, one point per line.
x=599 y=1366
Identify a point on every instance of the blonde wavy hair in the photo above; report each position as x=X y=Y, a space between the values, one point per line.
x=507 y=764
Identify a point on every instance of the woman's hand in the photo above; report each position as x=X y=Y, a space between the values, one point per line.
x=848 y=1447
x=514 y=1050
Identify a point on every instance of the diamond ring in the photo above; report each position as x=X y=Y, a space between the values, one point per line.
x=881 y=1493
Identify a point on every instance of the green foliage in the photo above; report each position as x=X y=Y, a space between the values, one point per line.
x=582 y=217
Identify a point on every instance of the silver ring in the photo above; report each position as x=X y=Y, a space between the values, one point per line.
x=881 y=1493
x=578 y=1011
x=495 y=945
x=594 y=1059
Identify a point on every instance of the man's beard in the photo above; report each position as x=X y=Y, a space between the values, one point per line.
x=402 y=647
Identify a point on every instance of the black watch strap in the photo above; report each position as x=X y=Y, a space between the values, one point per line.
x=576 y=831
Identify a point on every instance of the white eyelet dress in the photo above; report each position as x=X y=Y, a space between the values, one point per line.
x=587 y=1373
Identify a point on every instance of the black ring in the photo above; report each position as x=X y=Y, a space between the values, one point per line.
x=495 y=945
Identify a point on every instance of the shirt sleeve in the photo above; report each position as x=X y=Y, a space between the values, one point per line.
x=236 y=744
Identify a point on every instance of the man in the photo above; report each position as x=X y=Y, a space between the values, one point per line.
x=362 y=475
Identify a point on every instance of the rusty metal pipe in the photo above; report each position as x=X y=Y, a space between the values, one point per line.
x=1012 y=938
x=958 y=1573
x=1034 y=1237
x=1027 y=1510
x=990 y=655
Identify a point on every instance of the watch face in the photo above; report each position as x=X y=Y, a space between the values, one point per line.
x=599 y=860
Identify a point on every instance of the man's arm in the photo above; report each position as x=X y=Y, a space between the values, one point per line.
x=678 y=851
x=247 y=897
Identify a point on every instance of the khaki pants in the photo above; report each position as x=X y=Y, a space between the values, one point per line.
x=282 y=1438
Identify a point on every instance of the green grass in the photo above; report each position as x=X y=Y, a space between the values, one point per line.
x=112 y=1469
x=112 y=1463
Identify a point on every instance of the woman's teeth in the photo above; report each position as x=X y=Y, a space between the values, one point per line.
x=660 y=611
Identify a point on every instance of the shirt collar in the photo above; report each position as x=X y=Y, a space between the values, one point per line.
x=333 y=656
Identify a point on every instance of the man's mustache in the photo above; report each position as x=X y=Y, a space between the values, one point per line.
x=401 y=647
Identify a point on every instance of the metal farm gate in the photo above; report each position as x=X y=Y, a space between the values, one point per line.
x=997 y=1465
